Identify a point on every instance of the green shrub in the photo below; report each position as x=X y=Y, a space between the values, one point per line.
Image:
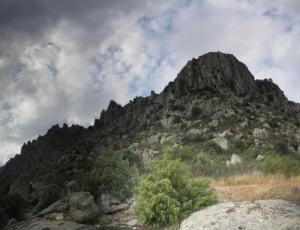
x=13 y=205
x=213 y=148
x=195 y=111
x=133 y=159
x=252 y=152
x=3 y=217
x=169 y=193
x=111 y=174
x=185 y=152
x=48 y=195
x=238 y=145
x=274 y=164
x=281 y=146
x=207 y=165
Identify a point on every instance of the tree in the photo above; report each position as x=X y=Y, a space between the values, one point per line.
x=168 y=193
x=112 y=174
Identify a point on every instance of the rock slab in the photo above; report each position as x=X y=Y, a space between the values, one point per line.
x=260 y=214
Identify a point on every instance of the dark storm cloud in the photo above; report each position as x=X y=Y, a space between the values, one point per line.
x=33 y=17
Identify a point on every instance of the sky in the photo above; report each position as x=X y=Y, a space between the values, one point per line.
x=61 y=61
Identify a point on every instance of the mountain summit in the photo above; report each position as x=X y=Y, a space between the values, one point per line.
x=216 y=71
x=214 y=99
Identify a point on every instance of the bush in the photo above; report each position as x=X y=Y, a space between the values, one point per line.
x=168 y=193
x=213 y=148
x=186 y=152
x=133 y=159
x=207 y=165
x=281 y=146
x=48 y=195
x=3 y=217
x=11 y=206
x=196 y=111
x=280 y=164
x=111 y=174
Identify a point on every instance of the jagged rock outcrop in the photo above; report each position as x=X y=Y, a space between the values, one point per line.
x=217 y=72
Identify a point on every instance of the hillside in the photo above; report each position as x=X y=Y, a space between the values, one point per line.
x=213 y=109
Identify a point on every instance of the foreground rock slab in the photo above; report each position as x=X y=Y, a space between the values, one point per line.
x=261 y=214
x=43 y=224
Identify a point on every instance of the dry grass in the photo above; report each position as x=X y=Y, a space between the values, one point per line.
x=256 y=186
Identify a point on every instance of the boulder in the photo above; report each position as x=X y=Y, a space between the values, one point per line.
x=221 y=141
x=154 y=139
x=73 y=187
x=148 y=155
x=83 y=207
x=261 y=134
x=245 y=123
x=259 y=158
x=168 y=122
x=213 y=123
x=110 y=204
x=260 y=214
x=235 y=159
x=226 y=133
x=45 y=224
x=193 y=134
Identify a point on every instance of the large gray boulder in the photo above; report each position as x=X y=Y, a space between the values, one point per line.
x=221 y=141
x=261 y=134
x=235 y=159
x=83 y=207
x=193 y=134
x=261 y=214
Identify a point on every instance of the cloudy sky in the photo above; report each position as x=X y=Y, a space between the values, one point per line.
x=63 y=60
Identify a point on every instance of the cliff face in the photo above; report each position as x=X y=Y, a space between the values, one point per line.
x=213 y=93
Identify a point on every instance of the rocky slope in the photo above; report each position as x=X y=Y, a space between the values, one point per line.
x=214 y=98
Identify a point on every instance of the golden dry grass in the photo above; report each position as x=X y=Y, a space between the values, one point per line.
x=256 y=186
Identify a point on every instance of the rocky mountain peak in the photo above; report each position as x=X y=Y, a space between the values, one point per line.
x=214 y=99
x=217 y=72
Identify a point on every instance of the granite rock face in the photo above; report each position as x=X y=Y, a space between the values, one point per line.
x=215 y=71
x=261 y=214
